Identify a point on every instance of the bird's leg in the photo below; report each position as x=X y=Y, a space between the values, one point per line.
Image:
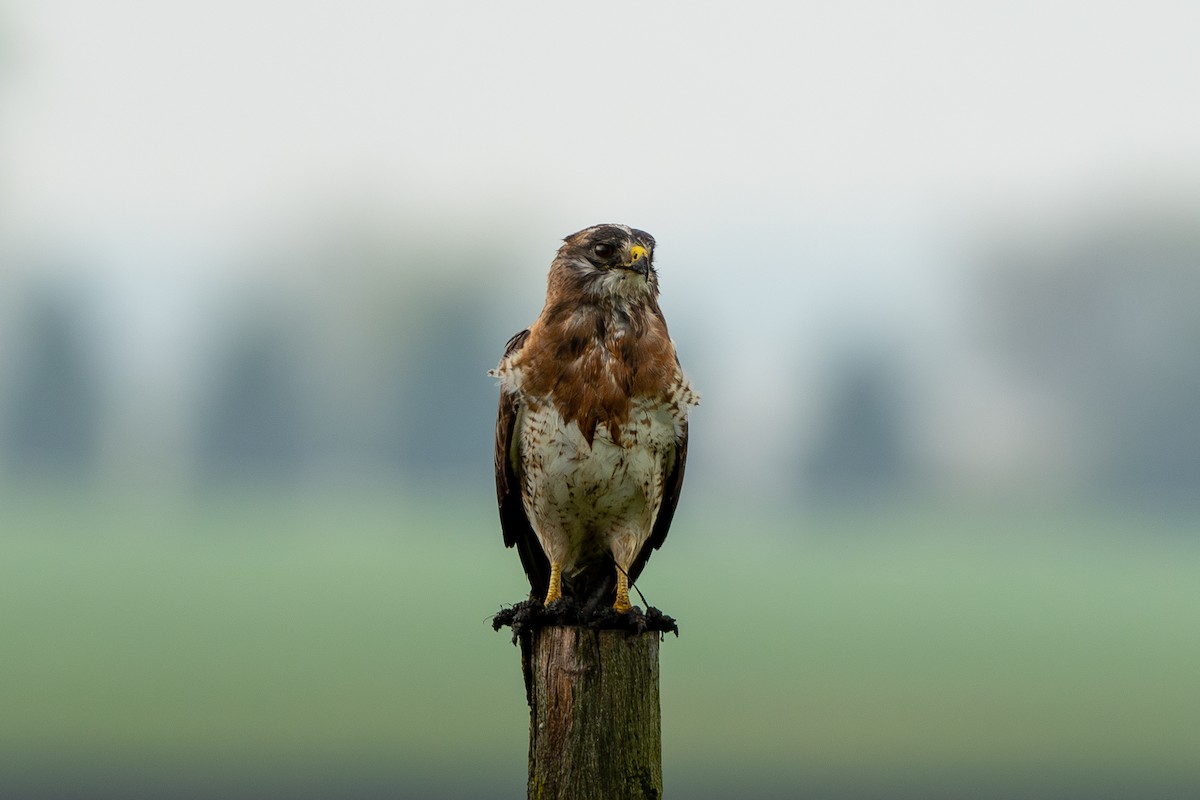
x=555 y=590
x=624 y=545
x=622 y=605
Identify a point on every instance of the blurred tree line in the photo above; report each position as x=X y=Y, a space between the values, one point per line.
x=385 y=374
x=300 y=375
x=1105 y=322
x=52 y=419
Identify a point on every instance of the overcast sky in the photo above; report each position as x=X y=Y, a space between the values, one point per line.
x=199 y=117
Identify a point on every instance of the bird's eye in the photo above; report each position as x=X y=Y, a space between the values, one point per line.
x=604 y=250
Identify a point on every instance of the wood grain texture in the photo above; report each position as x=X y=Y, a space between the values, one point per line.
x=595 y=726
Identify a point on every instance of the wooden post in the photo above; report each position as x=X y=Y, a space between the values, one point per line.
x=595 y=729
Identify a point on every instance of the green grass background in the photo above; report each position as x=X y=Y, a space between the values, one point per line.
x=340 y=645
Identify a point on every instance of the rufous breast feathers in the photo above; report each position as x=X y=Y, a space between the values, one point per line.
x=592 y=365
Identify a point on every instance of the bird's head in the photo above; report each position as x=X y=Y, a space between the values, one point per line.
x=613 y=261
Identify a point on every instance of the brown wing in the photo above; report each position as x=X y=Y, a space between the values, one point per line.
x=513 y=521
x=672 y=484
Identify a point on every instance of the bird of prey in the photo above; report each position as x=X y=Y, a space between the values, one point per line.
x=592 y=432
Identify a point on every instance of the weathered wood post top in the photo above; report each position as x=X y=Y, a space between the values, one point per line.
x=595 y=725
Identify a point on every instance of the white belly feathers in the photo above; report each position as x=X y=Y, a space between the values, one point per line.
x=586 y=500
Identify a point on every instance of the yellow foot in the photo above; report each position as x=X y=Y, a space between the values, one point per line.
x=555 y=590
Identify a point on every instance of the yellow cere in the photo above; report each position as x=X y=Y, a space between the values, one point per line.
x=637 y=253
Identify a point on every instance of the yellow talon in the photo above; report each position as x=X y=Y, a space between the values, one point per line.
x=555 y=590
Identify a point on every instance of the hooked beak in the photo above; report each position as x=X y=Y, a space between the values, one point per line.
x=639 y=260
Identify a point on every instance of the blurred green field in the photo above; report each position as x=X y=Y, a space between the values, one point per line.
x=340 y=645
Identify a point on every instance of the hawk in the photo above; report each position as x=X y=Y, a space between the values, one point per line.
x=591 y=437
